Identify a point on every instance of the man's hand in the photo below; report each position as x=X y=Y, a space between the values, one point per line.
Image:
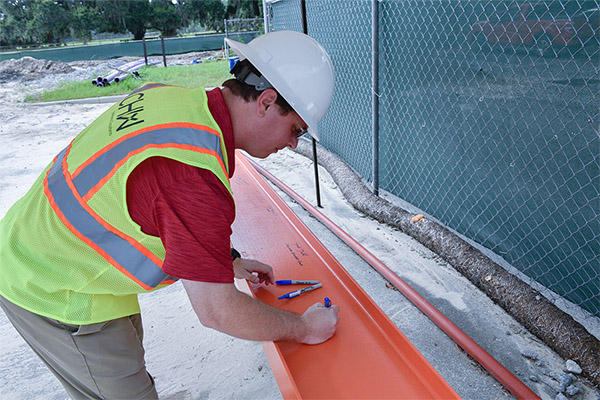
x=321 y=323
x=222 y=307
x=253 y=271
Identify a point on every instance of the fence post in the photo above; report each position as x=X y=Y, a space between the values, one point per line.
x=375 y=91
x=225 y=47
x=145 y=52
x=266 y=12
x=314 y=142
x=162 y=43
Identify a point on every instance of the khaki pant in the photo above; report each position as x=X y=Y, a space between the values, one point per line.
x=96 y=361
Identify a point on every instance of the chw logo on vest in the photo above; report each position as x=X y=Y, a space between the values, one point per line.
x=129 y=112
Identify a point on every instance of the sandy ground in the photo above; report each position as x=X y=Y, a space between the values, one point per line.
x=193 y=362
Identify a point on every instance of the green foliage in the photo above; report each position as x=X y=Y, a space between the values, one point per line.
x=138 y=16
x=243 y=8
x=12 y=24
x=207 y=74
x=27 y=22
x=36 y=22
x=120 y=16
x=82 y=19
x=166 y=18
x=50 y=21
x=111 y=16
x=210 y=13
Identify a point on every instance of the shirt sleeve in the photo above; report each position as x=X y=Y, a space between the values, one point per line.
x=191 y=211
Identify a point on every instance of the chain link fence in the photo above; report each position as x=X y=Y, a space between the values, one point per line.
x=488 y=120
x=244 y=25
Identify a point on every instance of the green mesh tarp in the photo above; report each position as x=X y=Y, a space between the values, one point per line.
x=489 y=121
x=130 y=48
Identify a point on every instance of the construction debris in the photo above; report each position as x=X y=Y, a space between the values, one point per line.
x=48 y=73
x=29 y=69
x=122 y=72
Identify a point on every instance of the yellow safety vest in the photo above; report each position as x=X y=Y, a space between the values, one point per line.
x=69 y=249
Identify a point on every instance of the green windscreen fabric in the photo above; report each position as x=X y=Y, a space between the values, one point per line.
x=131 y=48
x=489 y=115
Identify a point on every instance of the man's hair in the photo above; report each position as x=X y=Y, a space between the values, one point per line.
x=249 y=92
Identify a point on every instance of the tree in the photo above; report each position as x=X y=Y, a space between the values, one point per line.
x=118 y=16
x=45 y=21
x=209 y=13
x=243 y=9
x=111 y=15
x=50 y=22
x=12 y=24
x=166 y=17
x=138 y=18
x=83 y=20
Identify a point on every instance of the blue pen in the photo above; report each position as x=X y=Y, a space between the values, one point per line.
x=300 y=291
x=293 y=282
x=327 y=302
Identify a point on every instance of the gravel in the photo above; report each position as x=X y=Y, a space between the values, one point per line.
x=573 y=367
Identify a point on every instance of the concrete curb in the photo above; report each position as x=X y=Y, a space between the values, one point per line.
x=89 y=100
x=554 y=327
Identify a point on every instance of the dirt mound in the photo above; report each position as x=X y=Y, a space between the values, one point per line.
x=29 y=68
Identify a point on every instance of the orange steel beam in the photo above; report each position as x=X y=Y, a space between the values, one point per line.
x=368 y=357
x=493 y=366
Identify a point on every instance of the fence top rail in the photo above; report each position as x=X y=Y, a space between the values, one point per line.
x=9 y=51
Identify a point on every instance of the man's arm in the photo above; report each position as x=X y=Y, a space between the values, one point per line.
x=222 y=307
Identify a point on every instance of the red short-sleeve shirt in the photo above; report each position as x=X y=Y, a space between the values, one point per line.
x=188 y=208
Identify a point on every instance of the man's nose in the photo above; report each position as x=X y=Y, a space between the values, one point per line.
x=293 y=143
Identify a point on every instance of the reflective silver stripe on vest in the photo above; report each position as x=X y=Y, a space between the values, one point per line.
x=101 y=166
x=130 y=258
x=146 y=87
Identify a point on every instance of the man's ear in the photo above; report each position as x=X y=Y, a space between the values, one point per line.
x=267 y=98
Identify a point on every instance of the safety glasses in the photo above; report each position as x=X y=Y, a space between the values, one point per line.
x=300 y=131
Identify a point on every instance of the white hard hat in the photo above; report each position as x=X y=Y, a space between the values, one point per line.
x=297 y=67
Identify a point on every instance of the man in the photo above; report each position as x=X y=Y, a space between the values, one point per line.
x=141 y=198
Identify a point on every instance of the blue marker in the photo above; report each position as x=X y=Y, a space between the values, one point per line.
x=292 y=282
x=300 y=291
x=327 y=302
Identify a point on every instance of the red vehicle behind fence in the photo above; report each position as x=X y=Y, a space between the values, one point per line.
x=540 y=27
